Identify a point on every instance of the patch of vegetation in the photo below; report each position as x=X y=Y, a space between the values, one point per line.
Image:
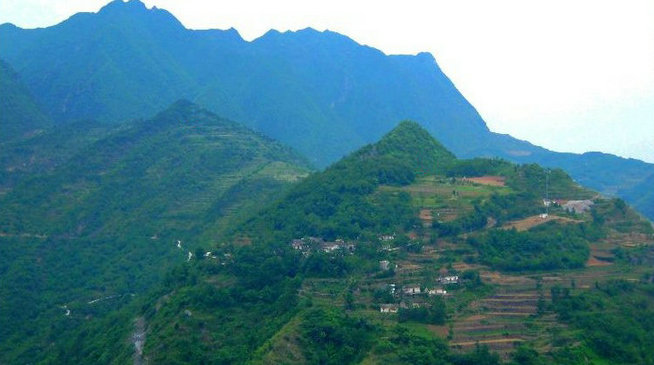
x=339 y=202
x=545 y=247
x=432 y=312
x=616 y=319
x=330 y=337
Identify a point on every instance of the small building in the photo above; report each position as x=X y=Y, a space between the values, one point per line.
x=384 y=265
x=386 y=237
x=329 y=247
x=391 y=288
x=388 y=308
x=436 y=292
x=337 y=245
x=411 y=290
x=578 y=206
x=297 y=244
x=448 y=279
x=389 y=248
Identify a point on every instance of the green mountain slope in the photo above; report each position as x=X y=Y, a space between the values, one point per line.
x=42 y=152
x=99 y=229
x=320 y=92
x=20 y=114
x=335 y=203
x=641 y=196
x=306 y=280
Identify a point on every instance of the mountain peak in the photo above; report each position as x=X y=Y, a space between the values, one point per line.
x=120 y=5
x=411 y=146
x=135 y=8
x=410 y=137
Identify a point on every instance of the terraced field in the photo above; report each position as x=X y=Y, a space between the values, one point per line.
x=505 y=310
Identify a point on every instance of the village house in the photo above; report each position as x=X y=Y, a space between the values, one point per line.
x=339 y=244
x=436 y=292
x=389 y=248
x=329 y=247
x=388 y=308
x=411 y=290
x=578 y=206
x=297 y=244
x=448 y=279
x=306 y=245
x=386 y=237
x=384 y=265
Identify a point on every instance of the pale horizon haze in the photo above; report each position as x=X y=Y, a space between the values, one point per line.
x=570 y=76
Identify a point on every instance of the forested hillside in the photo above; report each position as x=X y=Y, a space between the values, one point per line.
x=86 y=235
x=20 y=113
x=399 y=253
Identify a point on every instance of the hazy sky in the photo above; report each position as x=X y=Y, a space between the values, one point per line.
x=567 y=75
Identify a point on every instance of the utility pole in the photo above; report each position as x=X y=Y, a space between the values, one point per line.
x=547 y=192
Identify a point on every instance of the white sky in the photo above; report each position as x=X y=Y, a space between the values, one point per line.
x=575 y=75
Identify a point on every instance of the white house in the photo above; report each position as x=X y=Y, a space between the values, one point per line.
x=388 y=308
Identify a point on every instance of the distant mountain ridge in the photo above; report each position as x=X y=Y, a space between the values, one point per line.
x=319 y=92
x=20 y=114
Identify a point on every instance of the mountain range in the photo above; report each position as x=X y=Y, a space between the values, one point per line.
x=307 y=278
x=137 y=226
x=319 y=92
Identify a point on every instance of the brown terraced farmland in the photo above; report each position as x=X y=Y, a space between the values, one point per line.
x=487 y=180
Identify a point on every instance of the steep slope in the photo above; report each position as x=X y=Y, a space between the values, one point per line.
x=20 y=113
x=336 y=203
x=319 y=92
x=641 y=195
x=42 y=152
x=303 y=281
x=102 y=227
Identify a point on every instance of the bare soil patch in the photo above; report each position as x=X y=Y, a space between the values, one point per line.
x=425 y=216
x=438 y=330
x=488 y=342
x=487 y=180
x=462 y=266
x=511 y=314
x=497 y=278
x=477 y=317
x=529 y=222
x=592 y=261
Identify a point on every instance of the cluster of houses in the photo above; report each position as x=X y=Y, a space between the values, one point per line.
x=394 y=308
x=578 y=206
x=415 y=290
x=386 y=237
x=385 y=265
x=306 y=245
x=409 y=290
x=448 y=279
x=572 y=206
